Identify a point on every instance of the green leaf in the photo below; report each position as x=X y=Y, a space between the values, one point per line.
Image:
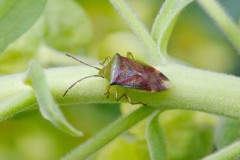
x=187 y=132
x=155 y=138
x=165 y=20
x=48 y=107
x=16 y=17
x=108 y=134
x=67 y=25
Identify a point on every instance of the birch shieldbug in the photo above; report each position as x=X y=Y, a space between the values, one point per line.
x=128 y=73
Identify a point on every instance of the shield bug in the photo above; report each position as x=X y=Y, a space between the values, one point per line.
x=128 y=73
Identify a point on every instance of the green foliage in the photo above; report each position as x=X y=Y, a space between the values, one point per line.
x=127 y=147
x=16 y=17
x=138 y=28
x=109 y=133
x=62 y=28
x=48 y=107
x=227 y=132
x=164 y=22
x=185 y=132
x=155 y=138
x=189 y=135
x=54 y=29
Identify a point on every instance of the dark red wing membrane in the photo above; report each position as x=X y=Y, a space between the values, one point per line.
x=135 y=81
x=133 y=74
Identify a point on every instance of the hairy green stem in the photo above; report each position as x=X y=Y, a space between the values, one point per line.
x=191 y=88
x=215 y=10
x=230 y=152
x=109 y=133
x=138 y=28
x=12 y=105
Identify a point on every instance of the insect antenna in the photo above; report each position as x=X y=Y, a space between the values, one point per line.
x=79 y=81
x=82 y=62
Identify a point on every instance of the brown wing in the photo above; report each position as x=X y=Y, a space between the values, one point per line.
x=124 y=68
x=133 y=74
x=135 y=81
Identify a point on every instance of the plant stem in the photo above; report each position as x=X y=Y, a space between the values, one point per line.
x=192 y=89
x=139 y=29
x=16 y=103
x=215 y=10
x=165 y=20
x=230 y=152
x=155 y=138
x=109 y=133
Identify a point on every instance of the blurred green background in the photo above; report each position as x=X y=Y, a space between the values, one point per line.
x=93 y=30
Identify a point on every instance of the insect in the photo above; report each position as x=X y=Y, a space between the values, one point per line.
x=128 y=73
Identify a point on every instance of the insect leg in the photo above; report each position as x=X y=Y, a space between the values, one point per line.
x=104 y=70
x=107 y=91
x=117 y=97
x=108 y=59
x=130 y=55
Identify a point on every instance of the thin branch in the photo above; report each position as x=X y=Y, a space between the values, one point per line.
x=155 y=138
x=224 y=21
x=230 y=152
x=165 y=20
x=109 y=133
x=138 y=28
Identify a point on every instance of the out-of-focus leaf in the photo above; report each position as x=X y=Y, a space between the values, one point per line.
x=67 y=25
x=126 y=147
x=155 y=138
x=227 y=131
x=48 y=107
x=108 y=134
x=188 y=134
x=16 y=17
x=53 y=30
x=184 y=133
x=17 y=55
